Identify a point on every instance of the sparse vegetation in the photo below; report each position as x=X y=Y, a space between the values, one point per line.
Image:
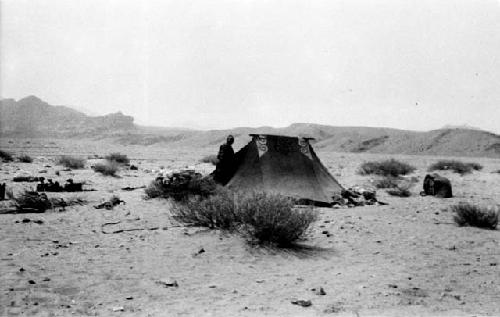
x=261 y=217
x=107 y=169
x=118 y=158
x=212 y=159
x=467 y=214
x=399 y=191
x=24 y=158
x=456 y=166
x=273 y=218
x=390 y=167
x=71 y=162
x=386 y=182
x=216 y=211
x=6 y=156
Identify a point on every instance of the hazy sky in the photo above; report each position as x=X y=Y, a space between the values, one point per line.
x=215 y=64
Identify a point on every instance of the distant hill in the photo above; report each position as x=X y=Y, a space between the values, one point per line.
x=31 y=116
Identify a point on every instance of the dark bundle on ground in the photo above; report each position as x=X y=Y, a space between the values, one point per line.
x=71 y=162
x=107 y=169
x=399 y=191
x=24 y=158
x=467 y=214
x=5 y=156
x=31 y=179
x=181 y=186
x=390 y=167
x=216 y=211
x=212 y=159
x=436 y=185
x=30 y=201
x=456 y=166
x=273 y=218
x=118 y=158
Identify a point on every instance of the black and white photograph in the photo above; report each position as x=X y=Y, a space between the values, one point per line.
x=250 y=158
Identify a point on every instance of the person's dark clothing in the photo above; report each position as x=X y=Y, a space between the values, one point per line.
x=225 y=167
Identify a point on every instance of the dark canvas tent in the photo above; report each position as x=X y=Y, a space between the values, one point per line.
x=285 y=165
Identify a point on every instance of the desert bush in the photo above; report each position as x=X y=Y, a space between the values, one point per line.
x=6 y=156
x=272 y=218
x=71 y=162
x=390 y=167
x=24 y=158
x=118 y=158
x=467 y=214
x=107 y=169
x=216 y=211
x=212 y=159
x=456 y=166
x=30 y=201
x=386 y=182
x=182 y=189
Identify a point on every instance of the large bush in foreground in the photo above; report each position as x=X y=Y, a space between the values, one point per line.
x=273 y=218
x=71 y=162
x=467 y=214
x=456 y=166
x=390 y=167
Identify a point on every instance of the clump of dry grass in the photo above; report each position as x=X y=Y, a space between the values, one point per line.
x=6 y=156
x=272 y=218
x=30 y=201
x=456 y=166
x=386 y=182
x=24 y=158
x=71 y=162
x=118 y=158
x=467 y=214
x=399 y=191
x=390 y=167
x=216 y=211
x=106 y=169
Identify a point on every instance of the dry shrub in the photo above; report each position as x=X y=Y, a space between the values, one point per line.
x=467 y=214
x=118 y=158
x=6 y=156
x=216 y=211
x=71 y=162
x=261 y=217
x=390 y=167
x=212 y=159
x=182 y=189
x=386 y=182
x=24 y=158
x=456 y=166
x=272 y=218
x=107 y=169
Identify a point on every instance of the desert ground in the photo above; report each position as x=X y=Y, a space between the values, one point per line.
x=407 y=258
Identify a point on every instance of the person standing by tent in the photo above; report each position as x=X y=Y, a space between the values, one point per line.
x=226 y=164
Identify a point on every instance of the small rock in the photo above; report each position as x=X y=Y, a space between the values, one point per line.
x=301 y=302
x=212 y=286
x=38 y=222
x=22 y=269
x=46 y=279
x=26 y=220
x=325 y=232
x=118 y=308
x=319 y=291
x=31 y=282
x=129 y=298
x=392 y=285
x=493 y=264
x=168 y=283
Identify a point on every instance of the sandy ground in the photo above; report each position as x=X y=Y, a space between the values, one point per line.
x=407 y=258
